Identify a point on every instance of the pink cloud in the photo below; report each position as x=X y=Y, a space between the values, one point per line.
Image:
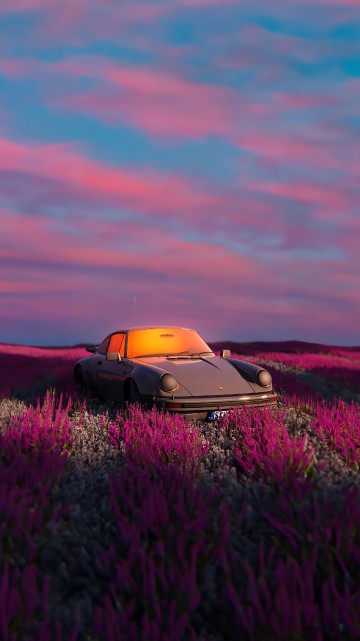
x=59 y=174
x=175 y=281
x=338 y=3
x=80 y=21
x=152 y=253
x=303 y=100
x=10 y=286
x=38 y=238
x=248 y=220
x=165 y=104
x=324 y=198
x=330 y=219
x=144 y=190
x=273 y=54
x=169 y=105
x=160 y=102
x=195 y=4
x=314 y=147
x=160 y=268
x=17 y=6
x=14 y=67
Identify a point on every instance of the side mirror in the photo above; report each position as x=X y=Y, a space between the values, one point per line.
x=91 y=348
x=225 y=353
x=113 y=356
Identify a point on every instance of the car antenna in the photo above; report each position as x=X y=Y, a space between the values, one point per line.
x=134 y=309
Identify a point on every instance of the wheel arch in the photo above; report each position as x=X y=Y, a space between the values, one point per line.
x=127 y=385
x=249 y=372
x=88 y=378
x=146 y=380
x=78 y=369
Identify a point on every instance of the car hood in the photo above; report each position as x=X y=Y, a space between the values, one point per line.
x=205 y=376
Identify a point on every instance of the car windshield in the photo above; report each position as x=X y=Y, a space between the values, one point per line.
x=165 y=341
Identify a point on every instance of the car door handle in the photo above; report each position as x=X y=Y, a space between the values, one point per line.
x=99 y=362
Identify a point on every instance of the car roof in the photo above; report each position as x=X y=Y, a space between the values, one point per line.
x=140 y=327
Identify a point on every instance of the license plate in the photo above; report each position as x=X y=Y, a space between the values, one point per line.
x=216 y=414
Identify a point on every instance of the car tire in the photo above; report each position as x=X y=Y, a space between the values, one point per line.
x=134 y=394
x=81 y=386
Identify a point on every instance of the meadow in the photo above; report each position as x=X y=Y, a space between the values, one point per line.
x=130 y=524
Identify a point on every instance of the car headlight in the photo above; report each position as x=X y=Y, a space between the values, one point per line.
x=168 y=383
x=264 y=378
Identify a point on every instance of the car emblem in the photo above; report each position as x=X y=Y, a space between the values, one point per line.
x=220 y=387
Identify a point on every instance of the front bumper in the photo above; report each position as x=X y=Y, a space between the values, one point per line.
x=205 y=404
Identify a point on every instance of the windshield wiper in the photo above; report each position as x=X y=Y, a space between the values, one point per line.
x=187 y=355
x=175 y=354
x=148 y=355
x=200 y=353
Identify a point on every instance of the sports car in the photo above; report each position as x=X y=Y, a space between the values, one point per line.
x=171 y=368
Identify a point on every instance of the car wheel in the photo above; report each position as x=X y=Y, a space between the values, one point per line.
x=134 y=394
x=81 y=384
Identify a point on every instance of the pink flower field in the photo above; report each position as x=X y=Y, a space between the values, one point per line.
x=24 y=370
x=131 y=524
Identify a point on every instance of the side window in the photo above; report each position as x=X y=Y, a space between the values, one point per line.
x=117 y=344
x=102 y=349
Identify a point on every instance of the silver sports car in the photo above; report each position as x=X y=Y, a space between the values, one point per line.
x=172 y=368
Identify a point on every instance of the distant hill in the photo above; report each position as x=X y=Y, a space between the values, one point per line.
x=287 y=347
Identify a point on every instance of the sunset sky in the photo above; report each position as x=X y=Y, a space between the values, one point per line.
x=180 y=162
